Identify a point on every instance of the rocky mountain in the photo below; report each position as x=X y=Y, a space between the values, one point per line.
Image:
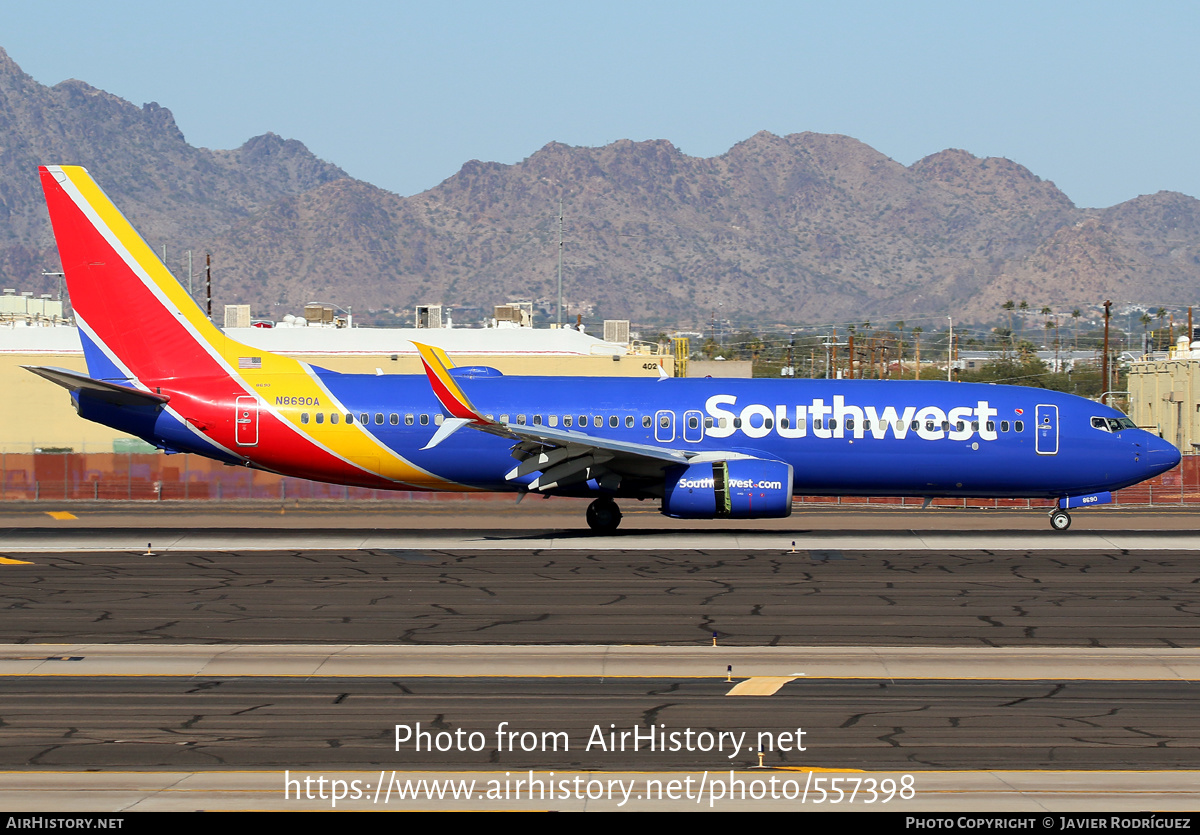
x=799 y=228
x=174 y=193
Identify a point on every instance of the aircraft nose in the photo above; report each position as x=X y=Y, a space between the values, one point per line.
x=1158 y=455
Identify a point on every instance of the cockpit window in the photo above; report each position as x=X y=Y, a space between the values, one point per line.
x=1112 y=424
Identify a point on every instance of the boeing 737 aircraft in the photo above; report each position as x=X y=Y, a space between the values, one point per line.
x=703 y=448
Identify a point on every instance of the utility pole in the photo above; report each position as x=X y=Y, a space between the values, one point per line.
x=208 y=282
x=950 y=353
x=1104 y=363
x=559 y=262
x=189 y=255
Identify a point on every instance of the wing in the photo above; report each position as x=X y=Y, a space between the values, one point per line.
x=562 y=458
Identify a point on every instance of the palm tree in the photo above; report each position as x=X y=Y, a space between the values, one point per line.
x=1075 y=314
x=1008 y=306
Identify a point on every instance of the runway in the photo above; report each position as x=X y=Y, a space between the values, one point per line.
x=752 y=598
x=300 y=647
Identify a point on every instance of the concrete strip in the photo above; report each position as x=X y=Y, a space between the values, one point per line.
x=49 y=540
x=954 y=791
x=956 y=664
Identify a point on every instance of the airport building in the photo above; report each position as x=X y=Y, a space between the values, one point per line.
x=1164 y=394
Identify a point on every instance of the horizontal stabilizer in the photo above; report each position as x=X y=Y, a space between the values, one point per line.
x=111 y=392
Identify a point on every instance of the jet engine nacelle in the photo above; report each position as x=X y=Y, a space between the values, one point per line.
x=743 y=488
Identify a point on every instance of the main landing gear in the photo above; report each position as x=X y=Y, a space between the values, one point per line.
x=1060 y=520
x=603 y=515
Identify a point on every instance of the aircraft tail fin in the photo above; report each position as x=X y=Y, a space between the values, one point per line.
x=136 y=322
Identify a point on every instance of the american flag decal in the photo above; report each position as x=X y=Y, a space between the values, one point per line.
x=250 y=362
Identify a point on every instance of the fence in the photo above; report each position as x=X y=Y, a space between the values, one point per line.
x=159 y=477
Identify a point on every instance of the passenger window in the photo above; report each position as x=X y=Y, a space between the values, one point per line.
x=424 y=420
x=724 y=423
x=768 y=423
x=693 y=423
x=394 y=419
x=408 y=420
x=554 y=420
x=520 y=420
x=304 y=417
x=364 y=418
x=614 y=421
x=320 y=417
x=597 y=421
x=567 y=420
x=537 y=420
x=438 y=418
x=928 y=425
x=946 y=426
x=504 y=418
x=379 y=418
x=784 y=423
x=737 y=423
x=1019 y=426
x=974 y=426
x=1004 y=426
x=991 y=426
x=866 y=425
x=333 y=418
x=628 y=421
x=916 y=424
x=708 y=423
x=818 y=423
x=350 y=418
x=665 y=421
x=646 y=421
x=832 y=423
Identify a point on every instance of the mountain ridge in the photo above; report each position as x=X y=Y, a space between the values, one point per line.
x=803 y=227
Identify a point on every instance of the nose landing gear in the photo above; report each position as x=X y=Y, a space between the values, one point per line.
x=603 y=515
x=1060 y=520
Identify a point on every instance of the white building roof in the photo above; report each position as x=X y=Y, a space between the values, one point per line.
x=316 y=341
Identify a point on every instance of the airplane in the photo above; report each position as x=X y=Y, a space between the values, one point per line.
x=158 y=369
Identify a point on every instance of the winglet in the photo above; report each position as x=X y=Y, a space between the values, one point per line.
x=445 y=387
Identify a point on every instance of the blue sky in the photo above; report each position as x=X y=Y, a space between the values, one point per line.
x=1099 y=97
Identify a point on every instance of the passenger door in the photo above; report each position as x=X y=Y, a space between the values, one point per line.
x=246 y=421
x=1046 y=429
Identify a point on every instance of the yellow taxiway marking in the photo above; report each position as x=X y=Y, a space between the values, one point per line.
x=61 y=515
x=760 y=685
x=10 y=561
